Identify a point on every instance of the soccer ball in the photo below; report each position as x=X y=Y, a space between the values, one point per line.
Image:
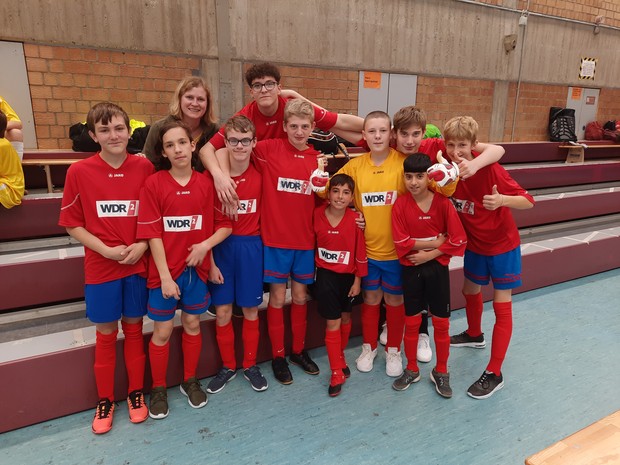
x=443 y=173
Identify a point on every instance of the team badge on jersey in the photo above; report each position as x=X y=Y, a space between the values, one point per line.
x=463 y=206
x=332 y=256
x=246 y=206
x=377 y=199
x=295 y=186
x=182 y=223
x=109 y=208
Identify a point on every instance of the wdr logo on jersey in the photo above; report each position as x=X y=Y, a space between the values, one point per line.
x=463 y=206
x=106 y=208
x=182 y=223
x=376 y=199
x=332 y=256
x=295 y=186
x=246 y=206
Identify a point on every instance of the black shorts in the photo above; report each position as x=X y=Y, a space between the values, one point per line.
x=427 y=286
x=331 y=291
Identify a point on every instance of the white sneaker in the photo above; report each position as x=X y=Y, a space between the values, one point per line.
x=425 y=353
x=383 y=335
x=366 y=359
x=393 y=362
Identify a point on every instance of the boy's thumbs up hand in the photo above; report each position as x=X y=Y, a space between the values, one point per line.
x=493 y=201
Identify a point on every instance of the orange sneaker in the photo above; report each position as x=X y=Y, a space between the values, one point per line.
x=137 y=408
x=102 y=423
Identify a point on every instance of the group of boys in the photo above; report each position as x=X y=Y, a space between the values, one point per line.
x=100 y=209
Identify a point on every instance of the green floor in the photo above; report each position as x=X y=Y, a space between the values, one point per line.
x=561 y=374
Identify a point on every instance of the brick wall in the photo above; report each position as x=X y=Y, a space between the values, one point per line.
x=66 y=82
x=608 y=105
x=444 y=98
x=532 y=110
x=333 y=89
x=581 y=10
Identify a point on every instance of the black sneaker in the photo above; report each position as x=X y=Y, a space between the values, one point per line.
x=158 y=405
x=304 y=361
x=465 y=340
x=406 y=379
x=335 y=384
x=256 y=378
x=346 y=371
x=442 y=383
x=220 y=380
x=486 y=385
x=281 y=370
x=192 y=389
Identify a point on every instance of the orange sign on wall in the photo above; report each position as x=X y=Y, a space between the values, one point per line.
x=576 y=94
x=372 y=80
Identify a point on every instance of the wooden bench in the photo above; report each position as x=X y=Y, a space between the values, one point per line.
x=576 y=152
x=597 y=444
x=45 y=163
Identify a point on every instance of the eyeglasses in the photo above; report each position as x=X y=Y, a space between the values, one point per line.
x=233 y=141
x=269 y=85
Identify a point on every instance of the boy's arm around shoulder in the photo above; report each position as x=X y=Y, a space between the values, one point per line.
x=488 y=154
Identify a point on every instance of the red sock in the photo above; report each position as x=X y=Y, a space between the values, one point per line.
x=345 y=333
x=298 y=326
x=334 y=349
x=135 y=358
x=158 y=356
x=473 y=310
x=225 y=336
x=250 y=335
x=191 y=345
x=502 y=331
x=275 y=327
x=370 y=324
x=412 y=333
x=442 y=342
x=105 y=362
x=395 y=316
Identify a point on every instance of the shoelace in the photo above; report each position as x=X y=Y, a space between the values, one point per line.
x=103 y=409
x=136 y=399
x=484 y=379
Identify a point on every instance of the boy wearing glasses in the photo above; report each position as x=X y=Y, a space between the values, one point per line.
x=236 y=273
x=266 y=111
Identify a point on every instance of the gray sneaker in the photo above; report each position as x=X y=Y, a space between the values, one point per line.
x=220 y=380
x=442 y=383
x=406 y=379
x=158 y=404
x=465 y=340
x=256 y=378
x=486 y=385
x=196 y=397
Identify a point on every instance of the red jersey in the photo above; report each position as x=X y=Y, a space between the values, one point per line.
x=105 y=200
x=340 y=248
x=431 y=146
x=272 y=127
x=180 y=216
x=410 y=223
x=249 y=190
x=489 y=232
x=288 y=200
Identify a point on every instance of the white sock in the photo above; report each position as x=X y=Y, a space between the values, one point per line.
x=19 y=148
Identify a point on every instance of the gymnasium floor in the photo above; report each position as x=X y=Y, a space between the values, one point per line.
x=562 y=373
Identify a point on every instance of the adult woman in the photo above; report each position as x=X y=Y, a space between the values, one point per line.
x=191 y=104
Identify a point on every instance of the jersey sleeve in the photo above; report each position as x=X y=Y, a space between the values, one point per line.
x=218 y=138
x=71 y=209
x=9 y=112
x=150 y=225
x=324 y=119
x=508 y=186
x=403 y=242
x=456 y=240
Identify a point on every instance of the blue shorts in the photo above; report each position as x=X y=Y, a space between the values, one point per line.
x=282 y=263
x=504 y=269
x=384 y=274
x=195 y=297
x=107 y=302
x=240 y=260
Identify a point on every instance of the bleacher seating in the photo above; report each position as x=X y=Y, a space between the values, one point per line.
x=569 y=234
